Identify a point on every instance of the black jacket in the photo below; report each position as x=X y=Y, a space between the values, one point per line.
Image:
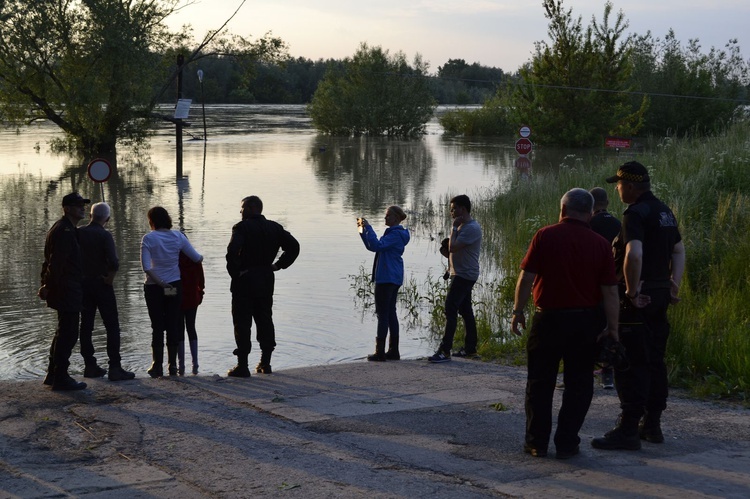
x=252 y=250
x=62 y=269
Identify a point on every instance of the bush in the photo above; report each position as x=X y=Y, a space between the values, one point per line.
x=373 y=94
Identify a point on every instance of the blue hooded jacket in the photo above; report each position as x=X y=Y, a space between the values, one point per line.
x=389 y=265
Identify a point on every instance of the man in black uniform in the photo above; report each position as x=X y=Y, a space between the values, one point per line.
x=608 y=226
x=250 y=262
x=62 y=273
x=650 y=261
x=100 y=266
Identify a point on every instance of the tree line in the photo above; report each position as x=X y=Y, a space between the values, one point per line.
x=227 y=80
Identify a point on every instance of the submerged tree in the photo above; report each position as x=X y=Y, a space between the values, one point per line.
x=373 y=93
x=574 y=90
x=91 y=66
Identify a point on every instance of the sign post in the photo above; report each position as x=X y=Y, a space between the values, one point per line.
x=524 y=146
x=99 y=171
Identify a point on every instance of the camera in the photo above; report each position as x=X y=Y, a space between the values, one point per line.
x=612 y=354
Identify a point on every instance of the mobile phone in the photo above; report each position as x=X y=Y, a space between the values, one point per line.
x=171 y=291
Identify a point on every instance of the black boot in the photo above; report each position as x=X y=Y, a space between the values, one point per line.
x=156 y=369
x=392 y=353
x=92 y=369
x=194 y=355
x=240 y=370
x=181 y=358
x=172 y=359
x=63 y=382
x=649 y=428
x=49 y=378
x=117 y=373
x=264 y=366
x=623 y=436
x=379 y=355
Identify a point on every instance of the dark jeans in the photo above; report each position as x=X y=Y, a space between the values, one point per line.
x=386 y=295
x=164 y=312
x=570 y=336
x=644 y=333
x=458 y=301
x=245 y=309
x=66 y=336
x=99 y=295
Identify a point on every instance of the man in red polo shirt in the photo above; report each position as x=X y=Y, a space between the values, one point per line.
x=571 y=271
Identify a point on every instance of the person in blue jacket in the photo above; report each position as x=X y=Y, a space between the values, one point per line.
x=388 y=274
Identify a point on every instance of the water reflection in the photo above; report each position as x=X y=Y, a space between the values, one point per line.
x=372 y=173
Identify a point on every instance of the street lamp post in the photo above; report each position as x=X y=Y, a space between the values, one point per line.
x=203 y=104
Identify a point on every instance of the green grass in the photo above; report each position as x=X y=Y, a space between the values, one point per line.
x=707 y=183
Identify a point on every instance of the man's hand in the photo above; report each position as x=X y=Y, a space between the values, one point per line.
x=612 y=333
x=673 y=292
x=43 y=293
x=640 y=300
x=517 y=319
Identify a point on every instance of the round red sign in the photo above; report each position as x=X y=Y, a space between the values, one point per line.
x=99 y=170
x=523 y=146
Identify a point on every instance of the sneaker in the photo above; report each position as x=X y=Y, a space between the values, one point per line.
x=239 y=372
x=463 y=353
x=262 y=368
x=66 y=383
x=616 y=439
x=119 y=374
x=93 y=371
x=567 y=453
x=608 y=379
x=439 y=357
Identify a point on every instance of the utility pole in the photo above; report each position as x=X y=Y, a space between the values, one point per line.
x=178 y=121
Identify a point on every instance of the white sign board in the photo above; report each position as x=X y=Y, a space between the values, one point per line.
x=524 y=131
x=182 y=110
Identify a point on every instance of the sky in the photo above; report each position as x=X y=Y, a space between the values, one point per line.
x=499 y=33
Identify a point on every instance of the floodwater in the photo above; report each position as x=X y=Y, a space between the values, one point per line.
x=316 y=186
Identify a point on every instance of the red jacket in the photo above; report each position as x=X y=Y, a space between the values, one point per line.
x=193 y=282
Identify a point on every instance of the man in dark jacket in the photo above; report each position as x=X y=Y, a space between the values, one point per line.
x=62 y=274
x=250 y=262
x=650 y=261
x=100 y=266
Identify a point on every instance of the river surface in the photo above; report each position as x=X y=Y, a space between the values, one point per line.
x=316 y=186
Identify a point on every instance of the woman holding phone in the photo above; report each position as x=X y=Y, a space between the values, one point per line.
x=388 y=275
x=160 y=256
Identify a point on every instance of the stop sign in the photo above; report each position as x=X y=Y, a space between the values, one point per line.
x=523 y=146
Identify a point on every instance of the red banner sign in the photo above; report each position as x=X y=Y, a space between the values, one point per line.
x=617 y=143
